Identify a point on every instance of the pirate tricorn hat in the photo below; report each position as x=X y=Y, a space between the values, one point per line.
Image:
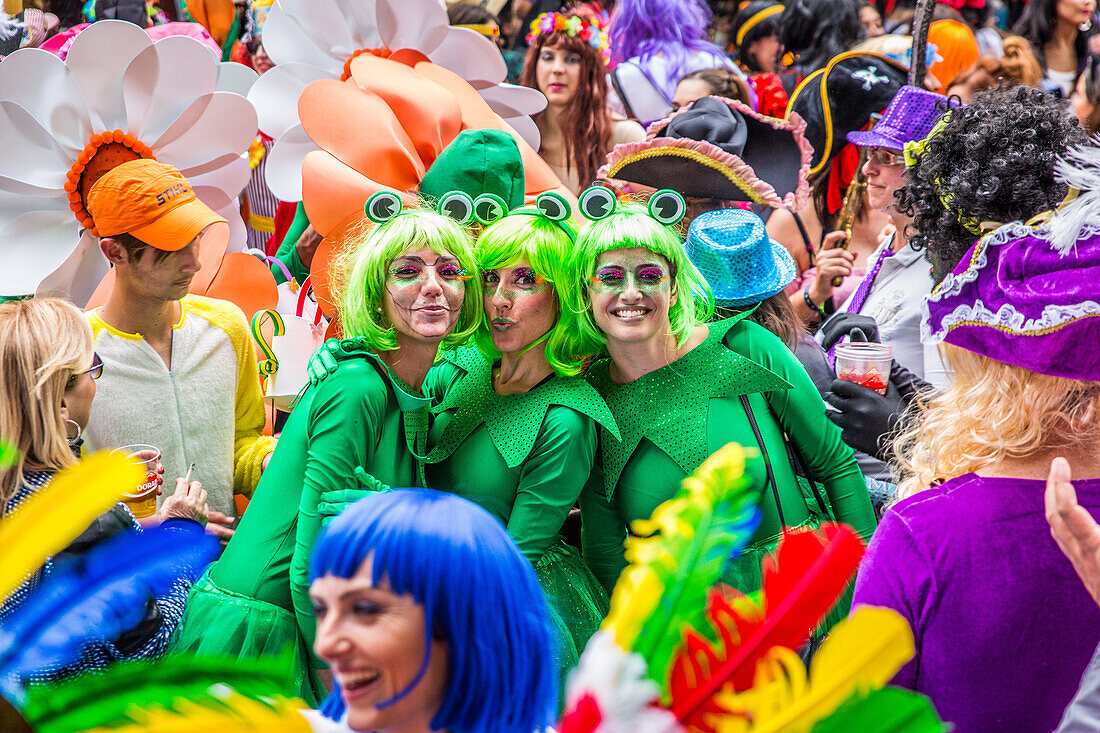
x=841 y=98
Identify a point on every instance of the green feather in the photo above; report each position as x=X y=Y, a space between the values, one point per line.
x=102 y=698
x=889 y=710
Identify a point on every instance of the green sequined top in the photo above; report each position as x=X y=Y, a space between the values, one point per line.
x=672 y=419
x=360 y=415
x=522 y=457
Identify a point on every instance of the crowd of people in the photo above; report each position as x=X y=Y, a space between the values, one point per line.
x=424 y=311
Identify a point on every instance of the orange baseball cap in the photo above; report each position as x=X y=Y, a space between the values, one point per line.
x=152 y=201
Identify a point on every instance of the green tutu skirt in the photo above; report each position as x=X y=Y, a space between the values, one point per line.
x=218 y=622
x=578 y=603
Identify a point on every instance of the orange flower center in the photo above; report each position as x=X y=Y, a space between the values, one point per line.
x=103 y=152
x=382 y=53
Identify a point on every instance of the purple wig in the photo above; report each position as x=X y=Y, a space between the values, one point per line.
x=672 y=28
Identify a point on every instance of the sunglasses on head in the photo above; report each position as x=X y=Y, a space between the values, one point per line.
x=96 y=370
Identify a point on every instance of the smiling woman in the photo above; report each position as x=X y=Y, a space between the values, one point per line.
x=680 y=388
x=411 y=648
x=407 y=293
x=565 y=61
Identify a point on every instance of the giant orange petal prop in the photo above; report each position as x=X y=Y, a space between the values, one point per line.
x=429 y=113
x=216 y=15
x=476 y=115
x=326 y=271
x=246 y=281
x=336 y=115
x=332 y=190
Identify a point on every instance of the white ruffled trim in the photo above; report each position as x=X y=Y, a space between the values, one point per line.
x=1006 y=316
x=953 y=284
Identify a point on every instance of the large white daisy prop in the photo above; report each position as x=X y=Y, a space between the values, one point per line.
x=317 y=39
x=117 y=96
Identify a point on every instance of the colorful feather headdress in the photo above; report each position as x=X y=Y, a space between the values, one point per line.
x=679 y=654
x=94 y=598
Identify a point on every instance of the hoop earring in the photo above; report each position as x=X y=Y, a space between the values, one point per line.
x=79 y=432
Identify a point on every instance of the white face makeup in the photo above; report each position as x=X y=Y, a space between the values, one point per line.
x=632 y=291
x=520 y=306
x=424 y=293
x=374 y=642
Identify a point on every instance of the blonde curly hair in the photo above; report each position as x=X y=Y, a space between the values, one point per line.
x=988 y=413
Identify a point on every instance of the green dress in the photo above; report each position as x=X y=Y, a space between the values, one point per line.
x=524 y=458
x=673 y=418
x=255 y=599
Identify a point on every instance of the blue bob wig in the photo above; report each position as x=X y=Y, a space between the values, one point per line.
x=480 y=596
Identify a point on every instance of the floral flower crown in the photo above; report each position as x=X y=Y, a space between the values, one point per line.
x=589 y=30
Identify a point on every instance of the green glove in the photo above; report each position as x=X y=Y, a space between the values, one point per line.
x=323 y=362
x=333 y=502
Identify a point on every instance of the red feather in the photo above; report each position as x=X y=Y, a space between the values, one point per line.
x=801 y=583
x=585 y=716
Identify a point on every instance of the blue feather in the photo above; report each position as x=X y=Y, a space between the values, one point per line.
x=99 y=595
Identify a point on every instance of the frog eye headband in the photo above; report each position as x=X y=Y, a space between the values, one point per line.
x=599 y=202
x=485 y=209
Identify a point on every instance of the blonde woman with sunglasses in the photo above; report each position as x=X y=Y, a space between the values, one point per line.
x=46 y=391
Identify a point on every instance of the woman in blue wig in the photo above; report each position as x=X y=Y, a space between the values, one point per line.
x=430 y=619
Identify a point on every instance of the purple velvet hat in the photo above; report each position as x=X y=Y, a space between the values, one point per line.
x=912 y=114
x=1018 y=299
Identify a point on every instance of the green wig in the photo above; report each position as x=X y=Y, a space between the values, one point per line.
x=365 y=266
x=632 y=226
x=545 y=245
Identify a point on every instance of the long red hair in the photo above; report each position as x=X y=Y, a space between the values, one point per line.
x=586 y=123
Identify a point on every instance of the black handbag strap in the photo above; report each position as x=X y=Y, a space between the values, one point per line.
x=767 y=459
x=802 y=468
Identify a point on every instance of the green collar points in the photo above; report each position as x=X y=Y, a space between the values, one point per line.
x=669 y=406
x=513 y=421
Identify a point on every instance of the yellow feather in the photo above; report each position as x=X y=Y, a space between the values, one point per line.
x=47 y=521
x=238 y=715
x=862 y=653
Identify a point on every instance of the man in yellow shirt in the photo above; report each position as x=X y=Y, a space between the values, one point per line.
x=179 y=370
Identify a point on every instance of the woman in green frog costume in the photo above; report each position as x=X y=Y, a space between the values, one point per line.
x=515 y=428
x=680 y=388
x=408 y=294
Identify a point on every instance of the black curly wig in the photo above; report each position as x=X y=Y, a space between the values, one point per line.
x=995 y=161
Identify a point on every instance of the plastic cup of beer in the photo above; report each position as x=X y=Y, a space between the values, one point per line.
x=865 y=363
x=142 y=501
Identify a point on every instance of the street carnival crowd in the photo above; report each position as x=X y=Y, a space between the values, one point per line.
x=623 y=366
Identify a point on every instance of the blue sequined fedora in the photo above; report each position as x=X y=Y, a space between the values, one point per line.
x=741 y=262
